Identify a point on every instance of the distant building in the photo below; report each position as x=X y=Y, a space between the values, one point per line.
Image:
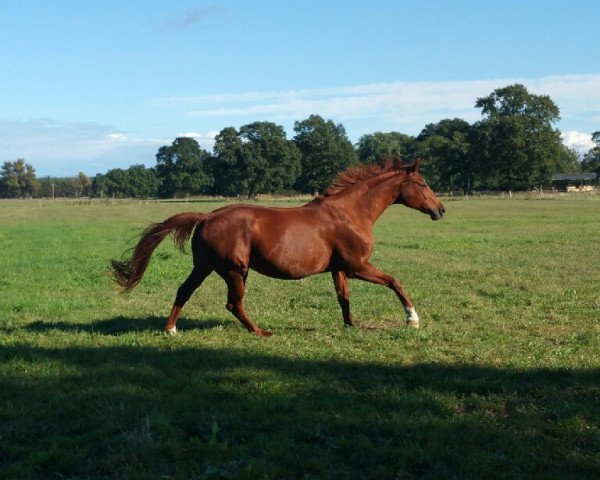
x=574 y=182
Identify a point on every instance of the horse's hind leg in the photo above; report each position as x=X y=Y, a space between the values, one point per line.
x=343 y=294
x=235 y=295
x=184 y=292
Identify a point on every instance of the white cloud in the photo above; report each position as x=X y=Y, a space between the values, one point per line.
x=400 y=106
x=205 y=140
x=65 y=148
x=116 y=137
x=406 y=106
x=581 y=142
x=190 y=135
x=201 y=136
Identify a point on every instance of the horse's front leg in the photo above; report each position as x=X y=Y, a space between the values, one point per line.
x=369 y=273
x=343 y=294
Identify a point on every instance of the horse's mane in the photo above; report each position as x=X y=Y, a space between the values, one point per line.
x=362 y=173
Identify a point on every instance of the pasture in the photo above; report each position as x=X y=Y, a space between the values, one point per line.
x=501 y=381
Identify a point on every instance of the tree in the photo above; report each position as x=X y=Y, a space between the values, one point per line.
x=325 y=150
x=143 y=182
x=117 y=183
x=568 y=160
x=516 y=144
x=10 y=183
x=226 y=166
x=18 y=179
x=137 y=181
x=256 y=159
x=82 y=185
x=591 y=160
x=58 y=187
x=100 y=185
x=374 y=146
x=277 y=158
x=446 y=147
x=180 y=168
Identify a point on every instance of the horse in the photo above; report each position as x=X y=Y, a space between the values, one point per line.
x=332 y=233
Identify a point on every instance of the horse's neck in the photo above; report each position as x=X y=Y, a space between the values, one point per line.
x=381 y=195
x=373 y=197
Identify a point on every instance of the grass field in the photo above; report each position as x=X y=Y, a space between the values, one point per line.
x=501 y=381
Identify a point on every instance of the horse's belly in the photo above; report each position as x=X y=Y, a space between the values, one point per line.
x=291 y=259
x=286 y=271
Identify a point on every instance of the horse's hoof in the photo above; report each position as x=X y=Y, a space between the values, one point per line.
x=263 y=333
x=172 y=331
x=412 y=319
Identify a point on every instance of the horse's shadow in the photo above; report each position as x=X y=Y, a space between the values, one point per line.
x=121 y=325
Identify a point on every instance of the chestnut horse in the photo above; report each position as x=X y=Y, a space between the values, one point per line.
x=332 y=233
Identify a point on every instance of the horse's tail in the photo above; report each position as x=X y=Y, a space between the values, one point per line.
x=129 y=273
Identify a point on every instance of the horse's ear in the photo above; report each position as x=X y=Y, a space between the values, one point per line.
x=415 y=166
x=410 y=168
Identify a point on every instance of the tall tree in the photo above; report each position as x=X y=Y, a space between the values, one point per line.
x=274 y=161
x=326 y=151
x=374 y=146
x=227 y=163
x=17 y=179
x=256 y=159
x=445 y=146
x=516 y=142
x=180 y=167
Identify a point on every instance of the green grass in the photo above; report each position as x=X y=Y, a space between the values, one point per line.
x=501 y=381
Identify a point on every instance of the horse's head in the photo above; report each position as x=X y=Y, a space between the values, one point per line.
x=415 y=193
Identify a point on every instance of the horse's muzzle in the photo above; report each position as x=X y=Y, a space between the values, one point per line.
x=437 y=214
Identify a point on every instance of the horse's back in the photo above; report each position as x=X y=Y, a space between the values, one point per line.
x=279 y=242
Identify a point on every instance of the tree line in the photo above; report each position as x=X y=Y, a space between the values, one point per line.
x=515 y=146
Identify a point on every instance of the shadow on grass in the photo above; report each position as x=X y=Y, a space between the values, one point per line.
x=179 y=411
x=121 y=324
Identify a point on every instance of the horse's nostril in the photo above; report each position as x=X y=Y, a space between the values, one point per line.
x=442 y=210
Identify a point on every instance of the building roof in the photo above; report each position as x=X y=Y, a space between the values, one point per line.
x=574 y=176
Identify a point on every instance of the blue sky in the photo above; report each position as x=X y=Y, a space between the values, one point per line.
x=89 y=85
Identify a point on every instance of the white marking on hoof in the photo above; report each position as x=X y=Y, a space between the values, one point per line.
x=172 y=331
x=412 y=319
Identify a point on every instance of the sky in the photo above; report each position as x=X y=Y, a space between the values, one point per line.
x=86 y=85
